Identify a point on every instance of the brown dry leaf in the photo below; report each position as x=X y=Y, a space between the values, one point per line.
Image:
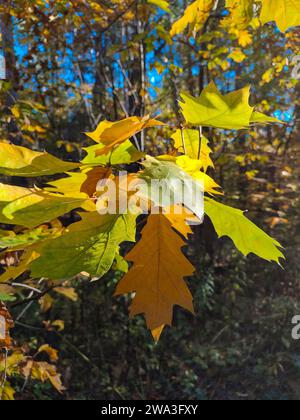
x=43 y=371
x=6 y=323
x=157 y=275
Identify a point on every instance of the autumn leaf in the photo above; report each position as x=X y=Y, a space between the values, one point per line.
x=43 y=372
x=111 y=134
x=157 y=275
x=181 y=219
x=192 y=167
x=6 y=323
x=286 y=13
x=162 y=4
x=31 y=207
x=89 y=245
x=20 y=161
x=165 y=179
x=212 y=109
x=122 y=154
x=68 y=292
x=13 y=272
x=195 y=15
x=241 y=12
x=196 y=146
x=52 y=353
x=247 y=237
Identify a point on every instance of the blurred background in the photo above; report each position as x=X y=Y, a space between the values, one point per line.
x=71 y=64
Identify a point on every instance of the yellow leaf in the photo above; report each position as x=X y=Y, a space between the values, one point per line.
x=52 y=353
x=192 y=167
x=195 y=15
x=237 y=55
x=20 y=161
x=286 y=13
x=157 y=275
x=193 y=141
x=241 y=12
x=111 y=134
x=68 y=292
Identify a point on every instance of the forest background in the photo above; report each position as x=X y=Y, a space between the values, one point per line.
x=71 y=64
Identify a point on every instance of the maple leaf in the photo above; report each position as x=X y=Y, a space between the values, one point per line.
x=89 y=245
x=212 y=109
x=20 y=161
x=286 y=13
x=247 y=237
x=241 y=12
x=157 y=275
x=6 y=323
x=195 y=15
x=31 y=207
x=196 y=146
x=111 y=134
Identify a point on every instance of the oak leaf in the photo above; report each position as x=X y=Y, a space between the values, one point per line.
x=111 y=134
x=157 y=275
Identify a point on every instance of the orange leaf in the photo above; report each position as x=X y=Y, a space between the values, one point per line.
x=157 y=275
x=6 y=323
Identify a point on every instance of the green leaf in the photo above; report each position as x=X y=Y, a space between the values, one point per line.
x=212 y=109
x=124 y=154
x=89 y=245
x=20 y=161
x=9 y=239
x=259 y=118
x=247 y=237
x=31 y=207
x=4 y=297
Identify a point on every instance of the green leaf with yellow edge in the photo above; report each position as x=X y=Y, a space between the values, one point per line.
x=195 y=16
x=247 y=237
x=124 y=154
x=9 y=239
x=196 y=145
x=89 y=245
x=286 y=13
x=30 y=207
x=20 y=161
x=212 y=109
